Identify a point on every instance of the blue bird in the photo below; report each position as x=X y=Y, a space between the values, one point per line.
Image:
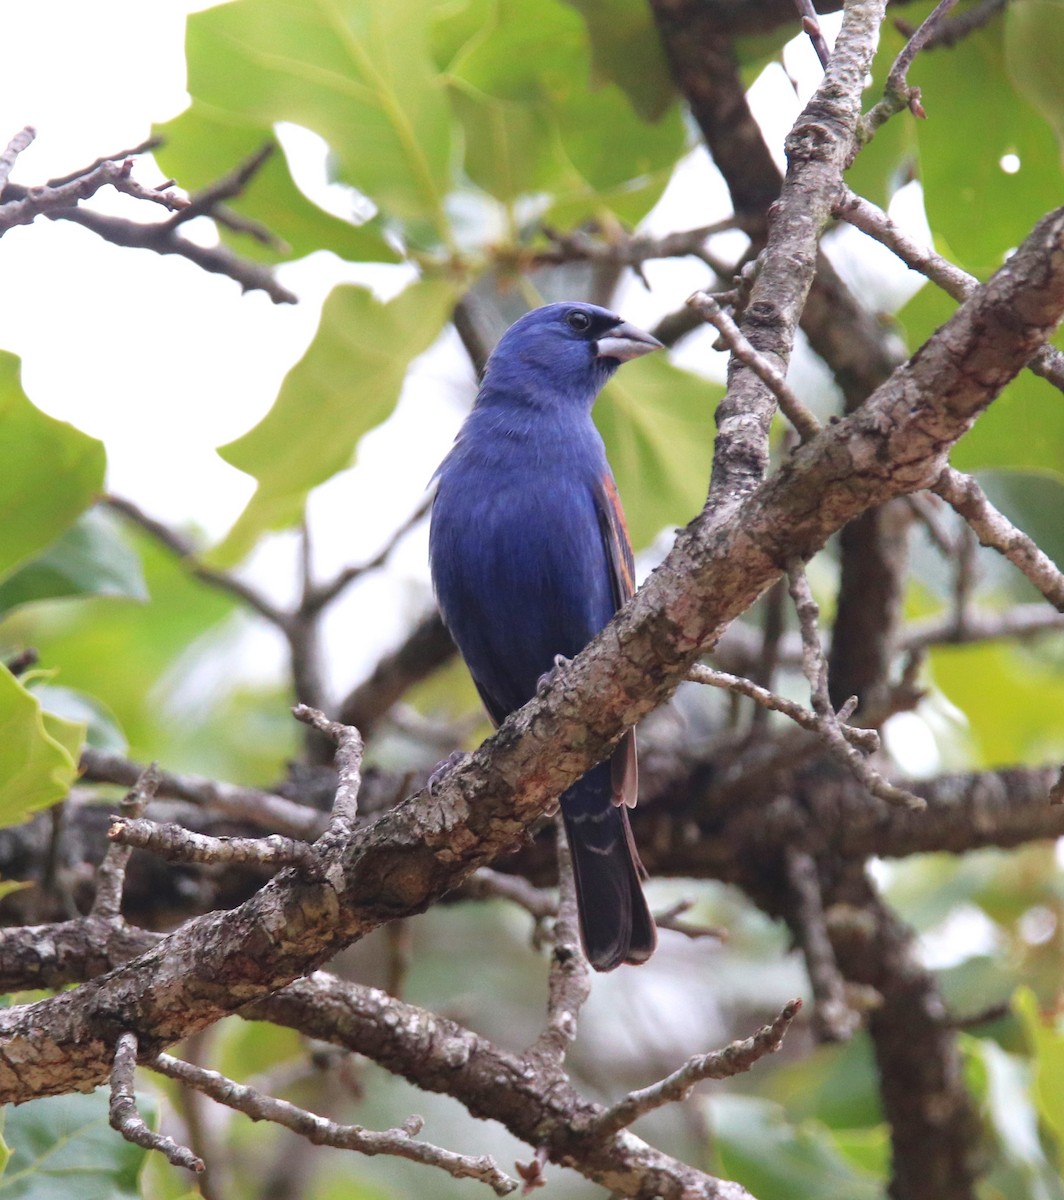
x=530 y=559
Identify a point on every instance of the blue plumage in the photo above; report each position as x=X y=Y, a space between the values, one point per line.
x=530 y=559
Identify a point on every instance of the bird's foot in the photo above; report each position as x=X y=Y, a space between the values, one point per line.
x=443 y=768
x=560 y=663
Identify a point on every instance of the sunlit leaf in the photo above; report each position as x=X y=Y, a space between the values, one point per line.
x=38 y=752
x=657 y=423
x=1047 y=1042
x=358 y=74
x=1013 y=700
x=347 y=382
x=51 y=472
x=204 y=144
x=64 y=1146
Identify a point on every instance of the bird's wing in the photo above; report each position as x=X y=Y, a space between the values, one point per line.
x=618 y=547
x=615 y=540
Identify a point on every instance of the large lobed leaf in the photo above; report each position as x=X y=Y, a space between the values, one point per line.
x=357 y=73
x=204 y=144
x=64 y=1146
x=347 y=382
x=38 y=752
x=51 y=472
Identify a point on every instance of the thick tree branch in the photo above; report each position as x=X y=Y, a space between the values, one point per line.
x=404 y=861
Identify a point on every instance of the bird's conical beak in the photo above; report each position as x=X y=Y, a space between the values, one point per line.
x=626 y=341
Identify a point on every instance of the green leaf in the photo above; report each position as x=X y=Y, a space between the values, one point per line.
x=657 y=423
x=125 y=653
x=38 y=753
x=1003 y=1083
x=347 y=382
x=1023 y=428
x=91 y=558
x=1047 y=1043
x=99 y=724
x=204 y=144
x=1034 y=51
x=626 y=50
x=758 y=1147
x=1013 y=699
x=64 y=1146
x=1032 y=500
x=51 y=472
x=835 y=1084
x=533 y=122
x=358 y=74
x=976 y=206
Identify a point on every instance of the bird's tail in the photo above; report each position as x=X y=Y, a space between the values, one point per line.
x=615 y=923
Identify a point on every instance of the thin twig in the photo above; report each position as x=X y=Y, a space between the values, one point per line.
x=251 y=805
x=719 y=1064
x=488 y=884
x=348 y=743
x=234 y=183
x=321 y=1132
x=124 y=1116
x=177 y=844
x=316 y=597
x=964 y=495
x=811 y=25
x=111 y=877
x=1048 y=361
x=180 y=546
x=669 y=918
x=815 y=668
x=149 y=144
x=37 y=201
x=636 y=249
x=866 y=740
x=957 y=28
x=161 y=239
x=569 y=985
x=898 y=93
x=833 y=1019
x=18 y=143
x=792 y=408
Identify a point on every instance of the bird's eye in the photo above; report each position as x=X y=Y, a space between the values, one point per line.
x=578 y=320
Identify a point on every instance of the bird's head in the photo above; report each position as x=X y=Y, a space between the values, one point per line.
x=562 y=353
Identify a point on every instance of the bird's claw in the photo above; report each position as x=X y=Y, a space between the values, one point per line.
x=443 y=768
x=560 y=663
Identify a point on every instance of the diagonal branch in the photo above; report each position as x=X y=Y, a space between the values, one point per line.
x=400 y=1142
x=125 y=1118
x=719 y=1064
x=721 y=563
x=995 y=530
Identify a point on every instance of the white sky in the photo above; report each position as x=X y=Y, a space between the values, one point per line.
x=164 y=362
